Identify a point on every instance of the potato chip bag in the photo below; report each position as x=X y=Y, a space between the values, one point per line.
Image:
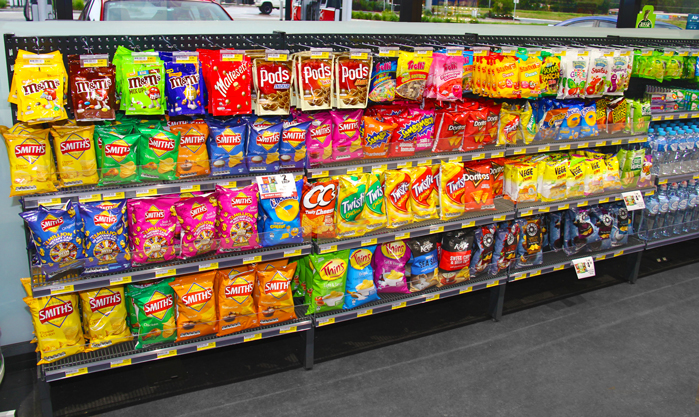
x=104 y=227
x=575 y=184
x=272 y=294
x=452 y=184
x=104 y=310
x=527 y=126
x=411 y=72
x=192 y=156
x=455 y=257
x=263 y=148
x=423 y=193
x=152 y=229
x=328 y=281
x=292 y=150
x=397 y=196
x=530 y=245
x=374 y=213
x=154 y=307
x=376 y=136
x=235 y=303
x=483 y=247
x=554 y=173
x=236 y=223
x=119 y=155
x=611 y=176
x=350 y=205
x=56 y=322
x=319 y=140
x=55 y=233
x=423 y=262
x=505 y=251
x=31 y=163
x=280 y=219
x=347 y=139
x=449 y=131
x=475 y=131
x=420 y=128
x=360 y=288
x=158 y=151
x=226 y=145
x=497 y=174
x=196 y=305
x=508 y=127
x=478 y=186
x=75 y=154
x=595 y=170
x=389 y=267
x=318 y=208
x=523 y=185
x=197 y=217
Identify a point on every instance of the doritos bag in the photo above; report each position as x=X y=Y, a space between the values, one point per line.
x=328 y=281
x=104 y=310
x=360 y=288
x=235 y=303
x=273 y=298
x=449 y=131
x=57 y=326
x=397 y=193
x=478 y=190
x=318 y=208
x=455 y=257
x=196 y=305
x=389 y=267
x=497 y=175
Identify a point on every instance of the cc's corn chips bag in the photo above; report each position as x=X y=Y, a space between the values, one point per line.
x=451 y=190
x=318 y=208
x=31 y=163
x=57 y=326
x=104 y=312
x=196 y=305
x=374 y=213
x=423 y=193
x=397 y=192
x=350 y=205
x=75 y=153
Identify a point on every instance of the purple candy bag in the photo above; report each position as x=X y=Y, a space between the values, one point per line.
x=346 y=135
x=389 y=267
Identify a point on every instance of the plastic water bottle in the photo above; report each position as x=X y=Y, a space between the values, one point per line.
x=694 y=225
x=691 y=206
x=663 y=208
x=673 y=157
x=681 y=151
x=674 y=201
x=695 y=157
x=683 y=196
x=650 y=217
x=664 y=152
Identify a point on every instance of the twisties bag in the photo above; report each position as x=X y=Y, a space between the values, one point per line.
x=451 y=190
x=280 y=219
x=57 y=326
x=75 y=154
x=350 y=205
x=31 y=163
x=423 y=193
x=318 y=208
x=197 y=217
x=196 y=305
x=397 y=195
x=272 y=293
x=236 y=223
x=104 y=310
x=235 y=304
x=226 y=145
x=152 y=229
x=374 y=213
x=192 y=158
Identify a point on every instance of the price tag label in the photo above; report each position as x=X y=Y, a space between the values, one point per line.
x=165 y=273
x=49 y=202
x=319 y=174
x=518 y=277
x=147 y=193
x=526 y=213
x=498 y=155
x=205 y=346
x=559 y=267
x=564 y=147
x=499 y=218
x=378 y=168
x=90 y=198
x=185 y=59
x=276 y=186
x=144 y=59
x=326 y=249
x=465 y=225
x=256 y=336
x=582 y=204
x=405 y=165
x=615 y=142
x=252 y=259
x=465 y=290
x=583 y=145
x=455 y=159
x=62 y=289
x=325 y=322
x=601 y=257
x=190 y=188
x=359 y=55
x=292 y=329
x=521 y=151
x=231 y=57
x=367 y=242
x=436 y=229
x=633 y=200
x=208 y=266
x=544 y=209
x=563 y=207
x=94 y=63
x=432 y=298
x=356 y=170
x=320 y=54
x=397 y=306
x=604 y=200
x=494 y=283
x=295 y=252
x=544 y=149
x=167 y=354
x=113 y=196
x=601 y=143
x=684 y=116
x=120 y=280
x=277 y=57
x=76 y=372
x=621 y=252
x=365 y=313
x=117 y=364
x=478 y=156
x=584 y=267
x=424 y=162
x=662 y=181
x=229 y=184
x=535 y=273
x=402 y=236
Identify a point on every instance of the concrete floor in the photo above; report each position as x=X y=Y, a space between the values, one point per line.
x=626 y=350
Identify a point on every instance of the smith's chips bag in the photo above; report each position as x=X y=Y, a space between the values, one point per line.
x=75 y=154
x=104 y=227
x=158 y=154
x=55 y=233
x=119 y=156
x=197 y=217
x=226 y=145
x=152 y=229
x=263 y=148
x=272 y=294
x=192 y=157
x=236 y=223
x=292 y=150
x=235 y=303
x=154 y=308
x=196 y=305
x=57 y=326
x=104 y=310
x=31 y=163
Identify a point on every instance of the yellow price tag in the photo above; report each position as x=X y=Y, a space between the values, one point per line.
x=582 y=204
x=600 y=143
x=402 y=236
x=432 y=298
x=518 y=277
x=331 y=320
x=397 y=306
x=205 y=346
x=559 y=267
x=165 y=273
x=357 y=170
x=289 y=253
x=167 y=354
x=604 y=200
x=526 y=213
x=564 y=207
x=277 y=57
x=436 y=229
x=695 y=115
x=76 y=372
x=465 y=290
x=455 y=159
x=208 y=267
x=90 y=198
x=564 y=147
x=601 y=257
x=365 y=313
x=684 y=116
x=62 y=289
x=424 y=162
x=190 y=188
x=292 y=329
x=492 y=284
x=123 y=362
x=113 y=196
x=615 y=142
x=621 y=252
x=94 y=63
x=319 y=174
x=186 y=59
x=144 y=59
x=367 y=242
x=583 y=145
x=651 y=192
x=326 y=249
x=49 y=202
x=544 y=149
x=120 y=280
x=662 y=181
x=252 y=260
x=231 y=57
x=320 y=54
x=520 y=151
x=405 y=165
x=535 y=273
x=499 y=218
x=147 y=193
x=464 y=225
x=378 y=168
x=478 y=156
x=256 y=336
x=544 y=209
x=361 y=55
x=498 y=155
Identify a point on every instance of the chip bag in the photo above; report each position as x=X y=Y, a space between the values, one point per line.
x=119 y=155
x=104 y=310
x=530 y=245
x=75 y=154
x=449 y=131
x=508 y=127
x=280 y=219
x=478 y=186
x=55 y=233
x=505 y=250
x=320 y=139
x=196 y=305
x=595 y=169
x=263 y=148
x=452 y=184
x=455 y=257
x=292 y=150
x=575 y=182
x=105 y=230
x=483 y=247
x=554 y=174
x=376 y=137
x=154 y=307
x=422 y=271
x=423 y=193
x=235 y=304
x=226 y=145
x=31 y=163
x=397 y=196
x=57 y=326
x=236 y=222
x=347 y=139
x=273 y=298
x=374 y=213
x=328 y=281
x=360 y=288
x=192 y=157
x=197 y=217
x=350 y=205
x=152 y=229
x=389 y=267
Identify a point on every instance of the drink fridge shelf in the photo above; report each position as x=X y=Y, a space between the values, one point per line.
x=669 y=179
x=678 y=115
x=582 y=143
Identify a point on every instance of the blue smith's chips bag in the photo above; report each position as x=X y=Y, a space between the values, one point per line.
x=104 y=228
x=292 y=150
x=280 y=221
x=55 y=233
x=226 y=145
x=263 y=148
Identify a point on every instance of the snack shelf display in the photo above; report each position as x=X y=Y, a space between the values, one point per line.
x=390 y=302
x=42 y=288
x=529 y=209
x=94 y=193
x=652 y=244
x=504 y=210
x=565 y=145
x=656 y=117
x=557 y=261
x=124 y=354
x=669 y=179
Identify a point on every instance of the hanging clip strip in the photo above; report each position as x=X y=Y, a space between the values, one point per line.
x=94 y=61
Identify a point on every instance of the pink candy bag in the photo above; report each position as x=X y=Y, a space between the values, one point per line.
x=389 y=267
x=347 y=142
x=319 y=141
x=152 y=229
x=424 y=126
x=236 y=224
x=197 y=217
x=447 y=73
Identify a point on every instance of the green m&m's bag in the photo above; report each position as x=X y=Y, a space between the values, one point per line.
x=143 y=84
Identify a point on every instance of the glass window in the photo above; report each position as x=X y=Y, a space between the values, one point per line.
x=163 y=10
x=582 y=23
x=606 y=24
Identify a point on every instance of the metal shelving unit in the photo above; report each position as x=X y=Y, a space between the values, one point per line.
x=669 y=179
x=652 y=244
x=679 y=115
x=566 y=145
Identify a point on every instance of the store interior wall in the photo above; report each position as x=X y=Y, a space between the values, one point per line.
x=15 y=322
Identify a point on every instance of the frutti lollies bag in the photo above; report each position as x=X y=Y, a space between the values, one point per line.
x=412 y=71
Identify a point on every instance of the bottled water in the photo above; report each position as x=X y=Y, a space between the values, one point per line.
x=663 y=208
x=683 y=197
x=651 y=216
x=691 y=206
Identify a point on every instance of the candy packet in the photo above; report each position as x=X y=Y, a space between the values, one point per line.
x=574 y=70
x=272 y=75
x=352 y=71
x=228 y=78
x=412 y=70
x=143 y=86
x=314 y=78
x=184 y=94
x=600 y=71
x=382 y=85
x=92 y=82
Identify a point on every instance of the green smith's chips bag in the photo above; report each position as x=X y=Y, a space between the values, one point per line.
x=143 y=84
x=158 y=154
x=328 y=282
x=154 y=307
x=119 y=159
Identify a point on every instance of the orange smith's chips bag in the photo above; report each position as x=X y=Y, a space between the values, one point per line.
x=272 y=294
x=196 y=305
x=397 y=192
x=451 y=190
x=57 y=326
x=423 y=193
x=235 y=303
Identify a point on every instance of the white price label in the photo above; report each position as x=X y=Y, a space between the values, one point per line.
x=584 y=267
x=633 y=200
x=276 y=186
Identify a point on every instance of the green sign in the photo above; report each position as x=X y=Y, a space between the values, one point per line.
x=645 y=18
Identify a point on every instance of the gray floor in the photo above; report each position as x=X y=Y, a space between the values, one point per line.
x=627 y=350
